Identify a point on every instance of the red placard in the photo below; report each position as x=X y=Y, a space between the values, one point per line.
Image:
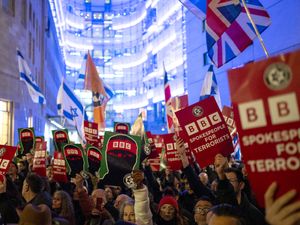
x=173 y=160
x=228 y=117
x=266 y=99
x=59 y=167
x=205 y=131
x=91 y=134
x=6 y=155
x=154 y=159
x=39 y=159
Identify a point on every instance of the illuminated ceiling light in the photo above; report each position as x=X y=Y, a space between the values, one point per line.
x=169 y=13
x=164 y=43
x=131 y=64
x=131 y=23
x=75 y=24
x=79 y=45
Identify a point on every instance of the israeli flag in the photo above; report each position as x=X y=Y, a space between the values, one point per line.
x=210 y=87
x=26 y=76
x=69 y=106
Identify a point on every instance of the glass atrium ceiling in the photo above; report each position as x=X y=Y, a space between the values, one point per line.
x=129 y=42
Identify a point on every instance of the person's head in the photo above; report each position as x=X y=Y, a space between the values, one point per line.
x=203 y=178
x=236 y=179
x=32 y=185
x=120 y=200
x=224 y=214
x=13 y=168
x=214 y=185
x=49 y=172
x=109 y=194
x=186 y=185
x=35 y=215
x=168 y=208
x=21 y=166
x=99 y=194
x=127 y=211
x=201 y=209
x=62 y=200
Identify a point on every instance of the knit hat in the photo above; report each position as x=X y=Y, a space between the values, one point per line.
x=36 y=215
x=168 y=199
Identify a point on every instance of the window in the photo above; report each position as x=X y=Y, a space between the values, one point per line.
x=9 y=6
x=24 y=13
x=5 y=123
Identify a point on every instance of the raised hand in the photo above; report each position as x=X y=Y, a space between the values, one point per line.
x=221 y=163
x=281 y=210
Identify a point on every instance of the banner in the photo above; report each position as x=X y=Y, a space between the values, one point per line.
x=59 y=168
x=122 y=128
x=6 y=155
x=205 y=130
x=26 y=140
x=60 y=137
x=39 y=159
x=266 y=98
x=91 y=134
x=173 y=160
x=156 y=156
x=94 y=157
x=75 y=158
x=120 y=155
x=228 y=117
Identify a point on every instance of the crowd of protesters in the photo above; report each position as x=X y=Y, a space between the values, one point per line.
x=217 y=194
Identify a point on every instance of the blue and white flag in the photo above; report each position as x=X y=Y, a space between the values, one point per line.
x=26 y=76
x=210 y=87
x=69 y=106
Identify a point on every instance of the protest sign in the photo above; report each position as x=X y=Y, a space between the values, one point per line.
x=60 y=137
x=120 y=155
x=59 y=167
x=26 y=140
x=6 y=155
x=39 y=159
x=266 y=97
x=205 y=131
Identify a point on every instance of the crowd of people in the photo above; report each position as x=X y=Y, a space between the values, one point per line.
x=217 y=194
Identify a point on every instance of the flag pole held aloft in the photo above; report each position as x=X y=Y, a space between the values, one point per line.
x=255 y=29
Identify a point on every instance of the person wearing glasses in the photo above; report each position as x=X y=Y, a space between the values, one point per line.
x=203 y=205
x=231 y=190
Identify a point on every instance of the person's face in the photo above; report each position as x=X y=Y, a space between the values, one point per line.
x=109 y=194
x=222 y=220
x=234 y=181
x=56 y=201
x=49 y=172
x=203 y=178
x=200 y=210
x=21 y=167
x=12 y=169
x=129 y=215
x=99 y=193
x=119 y=201
x=167 y=212
x=25 y=190
x=187 y=186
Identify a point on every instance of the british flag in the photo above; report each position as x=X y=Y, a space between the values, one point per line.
x=219 y=16
x=239 y=35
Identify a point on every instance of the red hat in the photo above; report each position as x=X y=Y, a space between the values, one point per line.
x=168 y=199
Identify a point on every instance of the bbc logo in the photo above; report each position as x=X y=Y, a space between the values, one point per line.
x=282 y=108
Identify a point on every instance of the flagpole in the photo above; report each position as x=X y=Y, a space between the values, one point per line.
x=256 y=30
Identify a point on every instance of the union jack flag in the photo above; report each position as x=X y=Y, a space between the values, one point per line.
x=239 y=35
x=219 y=16
x=168 y=103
